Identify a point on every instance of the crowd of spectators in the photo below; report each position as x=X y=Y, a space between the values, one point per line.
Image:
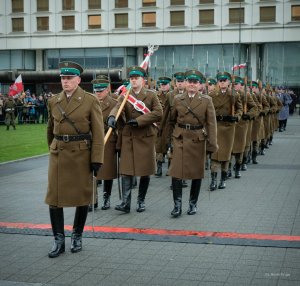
x=30 y=109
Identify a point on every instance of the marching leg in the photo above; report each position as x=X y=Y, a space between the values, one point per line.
x=177 y=197
x=126 y=195
x=143 y=187
x=106 y=194
x=57 y=223
x=78 y=226
x=194 y=194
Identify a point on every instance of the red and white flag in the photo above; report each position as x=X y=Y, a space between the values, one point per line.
x=17 y=87
x=240 y=66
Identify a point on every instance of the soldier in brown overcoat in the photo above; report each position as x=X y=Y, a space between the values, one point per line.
x=194 y=132
x=161 y=140
x=241 y=127
x=258 y=129
x=108 y=172
x=137 y=138
x=76 y=143
x=229 y=110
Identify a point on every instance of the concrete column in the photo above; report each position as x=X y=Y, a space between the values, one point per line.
x=39 y=60
x=253 y=61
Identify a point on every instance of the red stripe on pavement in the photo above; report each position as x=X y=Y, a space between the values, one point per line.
x=161 y=232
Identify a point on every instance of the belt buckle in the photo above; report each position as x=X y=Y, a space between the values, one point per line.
x=66 y=138
x=221 y=117
x=188 y=126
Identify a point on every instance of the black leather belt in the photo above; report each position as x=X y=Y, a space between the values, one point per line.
x=67 y=138
x=190 y=127
x=223 y=118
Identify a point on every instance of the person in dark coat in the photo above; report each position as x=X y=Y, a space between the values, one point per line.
x=137 y=138
x=194 y=125
x=75 y=135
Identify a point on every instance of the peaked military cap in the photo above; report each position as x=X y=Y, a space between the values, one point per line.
x=164 y=80
x=252 y=83
x=223 y=75
x=103 y=77
x=70 y=69
x=238 y=79
x=179 y=76
x=136 y=71
x=100 y=84
x=212 y=81
x=194 y=74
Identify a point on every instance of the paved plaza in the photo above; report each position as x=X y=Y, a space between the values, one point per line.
x=246 y=234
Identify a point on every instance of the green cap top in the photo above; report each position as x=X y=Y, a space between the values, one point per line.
x=164 y=80
x=194 y=74
x=212 y=81
x=103 y=77
x=223 y=75
x=136 y=71
x=238 y=79
x=179 y=76
x=100 y=84
x=252 y=83
x=70 y=69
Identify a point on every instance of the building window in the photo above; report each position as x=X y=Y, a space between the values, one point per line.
x=236 y=15
x=177 y=2
x=121 y=3
x=42 y=23
x=149 y=19
x=121 y=20
x=42 y=5
x=94 y=4
x=206 y=17
x=268 y=14
x=68 y=5
x=68 y=22
x=296 y=13
x=94 y=21
x=17 y=6
x=17 y=24
x=177 y=18
x=147 y=3
x=206 y=1
x=236 y=1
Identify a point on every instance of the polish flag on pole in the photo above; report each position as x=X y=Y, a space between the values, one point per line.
x=17 y=87
x=240 y=66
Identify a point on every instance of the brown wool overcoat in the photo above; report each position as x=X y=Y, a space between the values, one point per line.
x=138 y=143
x=241 y=127
x=69 y=174
x=223 y=104
x=109 y=169
x=189 y=146
x=258 y=123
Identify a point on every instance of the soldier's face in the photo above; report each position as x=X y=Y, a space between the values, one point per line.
x=238 y=86
x=165 y=87
x=192 y=86
x=180 y=85
x=136 y=82
x=70 y=83
x=223 y=83
x=211 y=87
x=101 y=94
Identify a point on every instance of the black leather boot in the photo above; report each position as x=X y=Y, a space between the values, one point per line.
x=244 y=164
x=57 y=223
x=222 y=184
x=254 y=155
x=78 y=226
x=229 y=173
x=106 y=194
x=126 y=195
x=96 y=201
x=237 y=171
x=194 y=194
x=159 y=169
x=177 y=196
x=143 y=187
x=271 y=140
x=213 y=183
x=262 y=148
